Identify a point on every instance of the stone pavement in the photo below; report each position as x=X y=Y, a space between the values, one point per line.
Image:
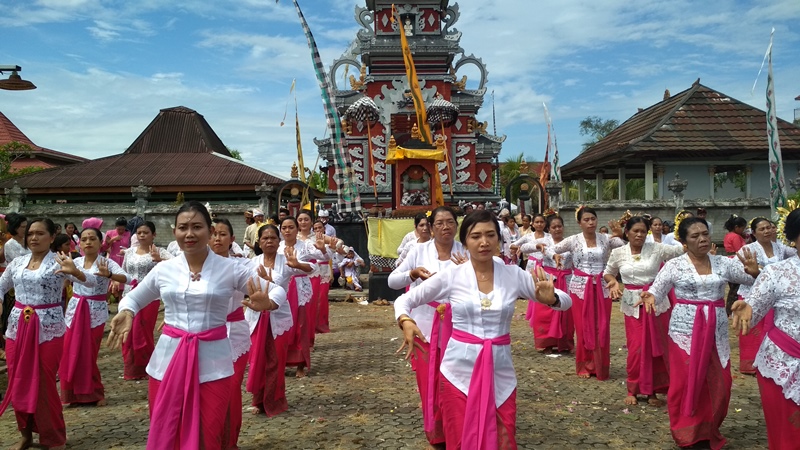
x=361 y=396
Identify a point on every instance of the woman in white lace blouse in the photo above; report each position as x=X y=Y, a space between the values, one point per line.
x=36 y=326
x=699 y=352
x=766 y=252
x=138 y=262
x=86 y=316
x=638 y=263
x=270 y=330
x=592 y=312
x=774 y=300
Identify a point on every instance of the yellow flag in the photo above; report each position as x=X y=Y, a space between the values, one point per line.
x=413 y=82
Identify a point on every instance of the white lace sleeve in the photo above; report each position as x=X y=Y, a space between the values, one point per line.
x=734 y=271
x=434 y=289
x=562 y=247
x=664 y=280
x=765 y=292
x=614 y=261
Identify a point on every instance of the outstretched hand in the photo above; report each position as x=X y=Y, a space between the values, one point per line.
x=257 y=298
x=420 y=273
x=749 y=261
x=613 y=290
x=648 y=300
x=121 y=326
x=410 y=331
x=545 y=287
x=741 y=313
x=67 y=264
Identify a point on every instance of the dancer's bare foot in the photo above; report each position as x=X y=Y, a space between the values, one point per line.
x=585 y=376
x=301 y=372
x=102 y=402
x=25 y=442
x=631 y=400
x=254 y=410
x=655 y=401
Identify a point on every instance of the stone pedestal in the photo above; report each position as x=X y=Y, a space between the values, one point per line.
x=677 y=186
x=554 y=189
x=264 y=193
x=16 y=198
x=141 y=193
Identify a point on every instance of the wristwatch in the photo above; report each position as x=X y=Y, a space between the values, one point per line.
x=557 y=303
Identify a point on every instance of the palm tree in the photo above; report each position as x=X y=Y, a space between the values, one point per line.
x=511 y=169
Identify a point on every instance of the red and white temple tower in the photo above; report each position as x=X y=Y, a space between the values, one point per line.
x=375 y=64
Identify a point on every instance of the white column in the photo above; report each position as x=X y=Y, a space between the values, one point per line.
x=622 y=185
x=662 y=185
x=648 y=180
x=598 y=192
x=712 y=170
x=581 y=189
x=748 y=172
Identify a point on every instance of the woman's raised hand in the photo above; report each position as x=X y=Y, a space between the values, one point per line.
x=420 y=273
x=545 y=287
x=741 y=313
x=67 y=264
x=749 y=261
x=102 y=268
x=258 y=299
x=155 y=254
x=648 y=300
x=459 y=258
x=264 y=273
x=616 y=228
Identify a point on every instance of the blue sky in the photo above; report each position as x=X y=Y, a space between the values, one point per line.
x=104 y=68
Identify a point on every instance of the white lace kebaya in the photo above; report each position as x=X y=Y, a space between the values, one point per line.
x=689 y=285
x=98 y=309
x=778 y=288
x=41 y=286
x=779 y=253
x=640 y=270
x=280 y=320
x=591 y=260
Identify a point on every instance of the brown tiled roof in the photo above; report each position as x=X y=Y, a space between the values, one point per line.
x=10 y=133
x=178 y=150
x=698 y=123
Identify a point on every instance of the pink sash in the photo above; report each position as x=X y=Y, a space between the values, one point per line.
x=651 y=348
x=26 y=361
x=595 y=309
x=437 y=345
x=480 y=420
x=779 y=337
x=703 y=342
x=236 y=316
x=78 y=363
x=177 y=406
x=559 y=319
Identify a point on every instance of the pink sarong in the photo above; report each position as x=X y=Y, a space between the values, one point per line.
x=323 y=305
x=480 y=426
x=79 y=362
x=553 y=328
x=175 y=417
x=440 y=335
x=703 y=345
x=596 y=311
x=781 y=414
x=650 y=345
x=266 y=381
x=26 y=361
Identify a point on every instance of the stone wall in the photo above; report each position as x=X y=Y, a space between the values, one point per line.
x=162 y=215
x=718 y=211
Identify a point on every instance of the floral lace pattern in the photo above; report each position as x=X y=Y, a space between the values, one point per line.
x=640 y=270
x=681 y=274
x=778 y=288
x=38 y=287
x=306 y=253
x=13 y=249
x=137 y=266
x=547 y=260
x=588 y=260
x=527 y=243
x=779 y=253
x=98 y=309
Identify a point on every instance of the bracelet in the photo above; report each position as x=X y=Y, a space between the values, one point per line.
x=405 y=319
x=130 y=313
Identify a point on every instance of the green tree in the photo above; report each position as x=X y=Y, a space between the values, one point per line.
x=236 y=154
x=596 y=128
x=511 y=169
x=11 y=152
x=317 y=180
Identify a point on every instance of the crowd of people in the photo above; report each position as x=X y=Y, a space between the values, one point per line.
x=670 y=284
x=260 y=305
x=225 y=308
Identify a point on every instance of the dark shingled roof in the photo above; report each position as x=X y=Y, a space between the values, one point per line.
x=698 y=123
x=177 y=149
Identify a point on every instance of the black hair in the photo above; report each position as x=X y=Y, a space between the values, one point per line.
x=194 y=206
x=549 y=221
x=754 y=223
x=474 y=218
x=121 y=222
x=306 y=212
x=418 y=218
x=267 y=226
x=653 y=219
x=74 y=227
x=134 y=223
x=293 y=219
x=683 y=228
x=60 y=240
x=14 y=221
x=283 y=209
x=735 y=221
x=585 y=209
x=442 y=209
x=274 y=218
x=149 y=225
x=49 y=224
x=96 y=232
x=633 y=221
x=792 y=227
x=225 y=222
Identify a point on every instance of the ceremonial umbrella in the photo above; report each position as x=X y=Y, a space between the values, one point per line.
x=365 y=110
x=443 y=113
